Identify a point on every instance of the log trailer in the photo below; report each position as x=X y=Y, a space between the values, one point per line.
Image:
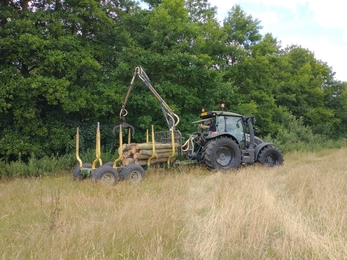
x=232 y=145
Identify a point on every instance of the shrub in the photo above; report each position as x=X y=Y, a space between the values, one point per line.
x=295 y=136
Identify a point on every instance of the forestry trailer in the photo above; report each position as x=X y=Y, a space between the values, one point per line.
x=232 y=145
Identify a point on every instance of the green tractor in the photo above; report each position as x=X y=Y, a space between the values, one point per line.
x=232 y=144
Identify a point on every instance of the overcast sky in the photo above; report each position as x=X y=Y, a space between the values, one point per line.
x=320 y=26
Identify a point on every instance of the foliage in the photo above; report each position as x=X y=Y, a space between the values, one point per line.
x=69 y=63
x=295 y=136
x=50 y=166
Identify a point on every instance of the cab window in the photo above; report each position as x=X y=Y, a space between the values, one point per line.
x=235 y=127
x=220 y=123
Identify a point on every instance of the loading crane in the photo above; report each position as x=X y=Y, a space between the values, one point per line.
x=171 y=118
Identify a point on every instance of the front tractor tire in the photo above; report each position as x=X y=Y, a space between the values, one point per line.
x=270 y=156
x=222 y=153
x=133 y=172
x=107 y=175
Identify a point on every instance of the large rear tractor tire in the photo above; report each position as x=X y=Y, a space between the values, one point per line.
x=270 y=156
x=133 y=172
x=106 y=175
x=77 y=175
x=222 y=154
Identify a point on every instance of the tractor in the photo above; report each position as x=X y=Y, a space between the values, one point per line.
x=232 y=144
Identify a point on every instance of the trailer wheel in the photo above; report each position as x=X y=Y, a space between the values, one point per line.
x=222 y=154
x=108 y=163
x=133 y=172
x=270 y=156
x=106 y=175
x=77 y=176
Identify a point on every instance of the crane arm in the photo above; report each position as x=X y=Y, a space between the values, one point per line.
x=171 y=118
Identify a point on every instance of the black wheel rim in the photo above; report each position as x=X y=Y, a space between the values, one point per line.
x=134 y=176
x=107 y=179
x=271 y=159
x=224 y=156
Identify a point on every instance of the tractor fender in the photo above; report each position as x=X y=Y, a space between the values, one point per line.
x=213 y=136
x=259 y=147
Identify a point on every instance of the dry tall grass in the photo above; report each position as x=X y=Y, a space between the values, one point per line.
x=297 y=211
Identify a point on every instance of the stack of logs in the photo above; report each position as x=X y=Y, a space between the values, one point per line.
x=140 y=153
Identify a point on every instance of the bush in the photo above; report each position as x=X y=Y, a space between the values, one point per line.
x=49 y=165
x=295 y=136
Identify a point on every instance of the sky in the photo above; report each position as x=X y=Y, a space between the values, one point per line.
x=317 y=25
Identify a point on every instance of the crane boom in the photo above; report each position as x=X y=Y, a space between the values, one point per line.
x=171 y=118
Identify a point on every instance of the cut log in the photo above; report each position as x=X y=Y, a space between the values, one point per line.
x=125 y=155
x=140 y=156
x=167 y=155
x=148 y=146
x=134 y=149
x=166 y=151
x=158 y=152
x=153 y=161
x=126 y=147
x=128 y=161
x=145 y=152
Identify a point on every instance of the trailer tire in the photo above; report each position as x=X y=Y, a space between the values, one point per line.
x=222 y=154
x=106 y=175
x=77 y=176
x=108 y=163
x=270 y=156
x=98 y=169
x=133 y=172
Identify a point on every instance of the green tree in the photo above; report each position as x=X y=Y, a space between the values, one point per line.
x=69 y=63
x=172 y=44
x=200 y=11
x=56 y=59
x=335 y=98
x=250 y=62
x=241 y=32
x=304 y=90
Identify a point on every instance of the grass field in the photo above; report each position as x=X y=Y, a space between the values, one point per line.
x=296 y=211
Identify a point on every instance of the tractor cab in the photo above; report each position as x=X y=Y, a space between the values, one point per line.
x=228 y=123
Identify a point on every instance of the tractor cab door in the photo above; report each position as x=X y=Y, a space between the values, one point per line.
x=232 y=125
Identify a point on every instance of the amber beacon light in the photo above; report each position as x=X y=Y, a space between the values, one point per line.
x=222 y=106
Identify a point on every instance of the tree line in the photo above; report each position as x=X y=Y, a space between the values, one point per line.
x=69 y=63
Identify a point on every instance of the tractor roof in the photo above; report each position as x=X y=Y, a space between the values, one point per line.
x=211 y=114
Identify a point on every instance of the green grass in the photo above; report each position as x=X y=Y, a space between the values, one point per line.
x=296 y=211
